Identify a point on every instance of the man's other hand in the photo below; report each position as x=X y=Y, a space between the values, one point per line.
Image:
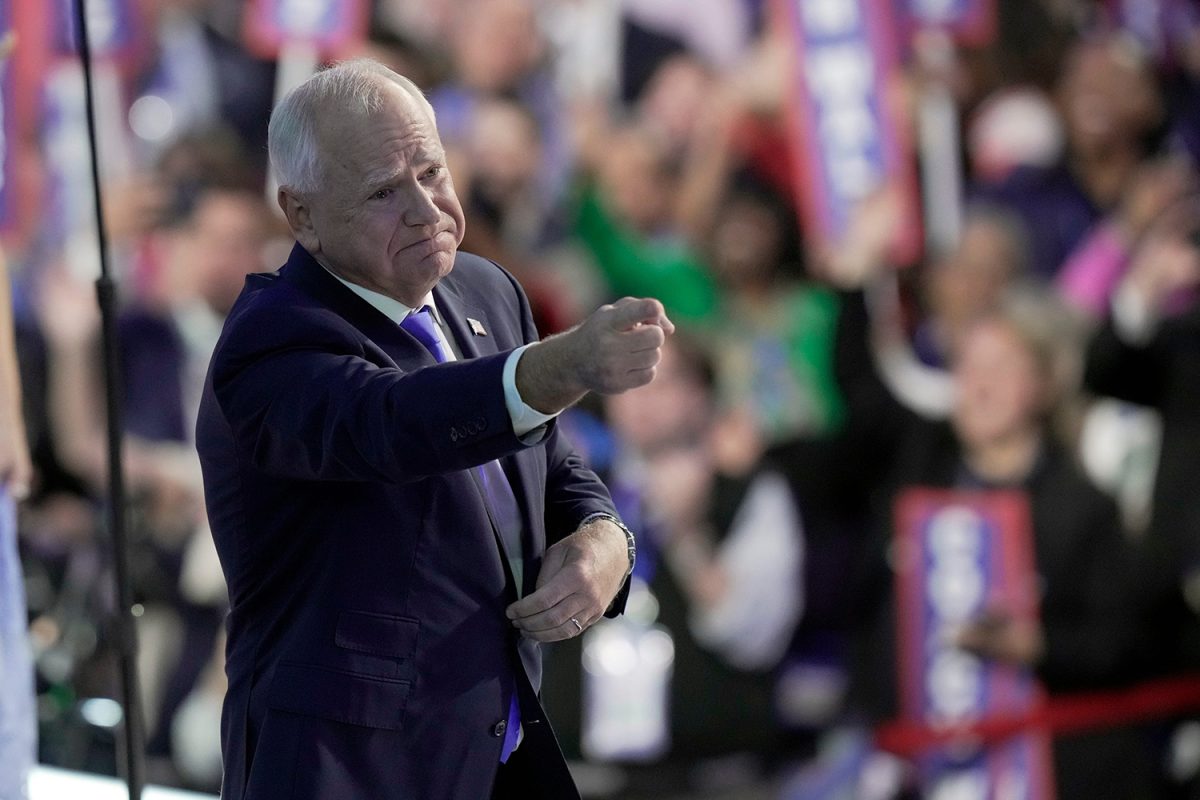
x=579 y=578
x=617 y=348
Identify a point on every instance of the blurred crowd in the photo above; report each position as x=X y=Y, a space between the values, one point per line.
x=1050 y=345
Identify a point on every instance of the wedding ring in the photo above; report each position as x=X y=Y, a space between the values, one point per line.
x=577 y=625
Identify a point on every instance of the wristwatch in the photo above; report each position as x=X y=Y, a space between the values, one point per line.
x=630 y=542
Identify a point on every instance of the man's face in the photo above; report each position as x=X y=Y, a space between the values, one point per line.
x=387 y=217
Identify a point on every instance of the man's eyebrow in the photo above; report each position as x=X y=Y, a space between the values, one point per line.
x=382 y=178
x=430 y=155
x=385 y=177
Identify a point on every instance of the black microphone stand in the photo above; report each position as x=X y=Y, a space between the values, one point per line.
x=133 y=749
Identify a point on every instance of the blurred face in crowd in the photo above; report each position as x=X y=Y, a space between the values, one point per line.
x=970 y=281
x=1001 y=386
x=224 y=243
x=1108 y=96
x=634 y=180
x=505 y=148
x=386 y=217
x=747 y=243
x=674 y=409
x=210 y=252
x=496 y=44
x=672 y=100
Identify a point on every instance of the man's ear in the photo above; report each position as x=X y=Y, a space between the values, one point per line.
x=299 y=219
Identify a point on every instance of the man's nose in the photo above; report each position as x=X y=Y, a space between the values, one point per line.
x=419 y=208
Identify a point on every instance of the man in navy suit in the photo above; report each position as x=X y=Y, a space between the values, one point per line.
x=398 y=519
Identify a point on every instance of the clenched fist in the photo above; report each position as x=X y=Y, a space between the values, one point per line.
x=615 y=349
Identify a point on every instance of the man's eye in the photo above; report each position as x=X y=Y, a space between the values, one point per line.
x=433 y=172
x=382 y=194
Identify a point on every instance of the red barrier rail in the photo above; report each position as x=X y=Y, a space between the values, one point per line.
x=1068 y=713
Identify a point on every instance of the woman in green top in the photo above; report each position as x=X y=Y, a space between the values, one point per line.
x=771 y=331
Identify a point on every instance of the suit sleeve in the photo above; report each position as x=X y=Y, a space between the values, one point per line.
x=309 y=404
x=573 y=492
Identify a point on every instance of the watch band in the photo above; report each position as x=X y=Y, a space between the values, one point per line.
x=630 y=541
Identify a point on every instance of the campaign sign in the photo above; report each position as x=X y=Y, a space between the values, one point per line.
x=852 y=138
x=8 y=126
x=972 y=22
x=329 y=26
x=25 y=41
x=64 y=139
x=112 y=28
x=958 y=556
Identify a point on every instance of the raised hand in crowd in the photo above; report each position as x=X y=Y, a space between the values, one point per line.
x=861 y=255
x=1168 y=258
x=1155 y=187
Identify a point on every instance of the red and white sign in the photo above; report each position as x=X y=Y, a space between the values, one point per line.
x=959 y=556
x=331 y=27
x=971 y=22
x=851 y=135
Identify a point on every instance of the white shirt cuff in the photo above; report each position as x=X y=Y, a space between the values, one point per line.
x=525 y=419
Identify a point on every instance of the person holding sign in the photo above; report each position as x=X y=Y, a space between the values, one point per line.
x=399 y=521
x=1013 y=375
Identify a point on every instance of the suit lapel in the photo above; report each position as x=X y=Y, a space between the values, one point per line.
x=408 y=353
x=401 y=346
x=519 y=468
x=455 y=310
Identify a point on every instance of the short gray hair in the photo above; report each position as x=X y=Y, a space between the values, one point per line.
x=354 y=86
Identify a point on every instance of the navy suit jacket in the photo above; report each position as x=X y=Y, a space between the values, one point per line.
x=368 y=654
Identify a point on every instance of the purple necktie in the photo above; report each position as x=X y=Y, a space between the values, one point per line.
x=497 y=492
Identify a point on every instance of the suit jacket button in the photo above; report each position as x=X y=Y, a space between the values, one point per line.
x=499 y=728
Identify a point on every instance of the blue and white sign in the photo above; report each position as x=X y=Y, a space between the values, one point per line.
x=64 y=140
x=852 y=140
x=8 y=122
x=970 y=21
x=961 y=555
x=329 y=26
x=112 y=28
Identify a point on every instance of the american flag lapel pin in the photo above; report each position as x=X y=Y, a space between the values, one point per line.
x=476 y=327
